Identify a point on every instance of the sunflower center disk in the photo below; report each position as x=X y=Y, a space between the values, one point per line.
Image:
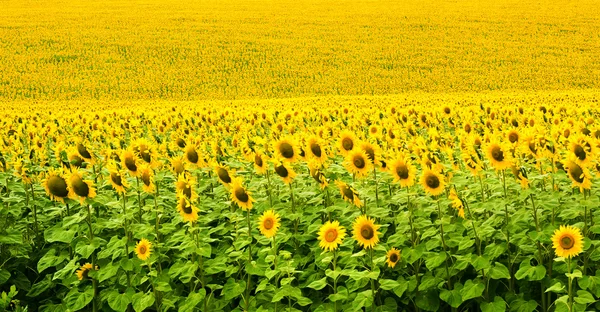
x=367 y=232
x=130 y=164
x=579 y=152
x=359 y=162
x=80 y=187
x=192 y=156
x=394 y=258
x=315 y=149
x=187 y=208
x=142 y=250
x=241 y=194
x=268 y=224
x=224 y=175
x=57 y=186
x=432 y=181
x=498 y=154
x=286 y=150
x=402 y=172
x=348 y=193
x=576 y=173
x=567 y=242
x=258 y=161
x=347 y=144
x=331 y=235
x=116 y=178
x=513 y=137
x=281 y=171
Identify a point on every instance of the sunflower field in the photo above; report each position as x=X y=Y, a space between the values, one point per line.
x=299 y=155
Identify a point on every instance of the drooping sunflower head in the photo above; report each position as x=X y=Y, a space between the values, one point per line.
x=499 y=156
x=317 y=174
x=567 y=241
x=187 y=210
x=403 y=172
x=80 y=188
x=223 y=174
x=84 y=152
x=579 y=175
x=347 y=142
x=177 y=165
x=269 y=223
x=130 y=161
x=582 y=149
x=185 y=186
x=83 y=271
x=191 y=154
x=358 y=163
x=143 y=249
x=240 y=195
x=365 y=231
x=117 y=177
x=260 y=163
x=75 y=160
x=373 y=152
x=348 y=193
x=146 y=175
x=286 y=149
x=433 y=182
x=316 y=149
x=392 y=257
x=145 y=151
x=331 y=235
x=56 y=185
x=284 y=171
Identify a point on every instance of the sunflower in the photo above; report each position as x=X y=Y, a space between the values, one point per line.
x=178 y=165
x=188 y=212
x=521 y=176
x=286 y=149
x=567 y=241
x=240 y=195
x=582 y=150
x=499 y=156
x=223 y=174
x=347 y=142
x=260 y=163
x=130 y=161
x=403 y=172
x=349 y=194
x=358 y=163
x=80 y=188
x=331 y=235
x=143 y=249
x=192 y=155
x=74 y=159
x=373 y=152
x=284 y=171
x=117 y=178
x=268 y=223
x=365 y=231
x=184 y=186
x=433 y=182
x=318 y=175
x=84 y=270
x=580 y=176
x=56 y=185
x=513 y=136
x=392 y=257
x=146 y=152
x=84 y=152
x=147 y=176
x=316 y=150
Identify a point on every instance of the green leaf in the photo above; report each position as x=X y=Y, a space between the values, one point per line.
x=40 y=287
x=558 y=288
x=232 y=289
x=584 y=297
x=499 y=271
x=521 y=305
x=50 y=259
x=402 y=287
x=117 y=301
x=11 y=237
x=107 y=271
x=318 y=284
x=472 y=290
x=193 y=300
x=58 y=234
x=4 y=276
x=452 y=297
x=497 y=306
x=429 y=301
x=387 y=284
x=480 y=263
x=435 y=261
x=142 y=301
x=76 y=300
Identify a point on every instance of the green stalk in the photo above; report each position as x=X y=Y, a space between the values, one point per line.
x=137 y=181
x=511 y=281
x=247 y=303
x=570 y=285
x=334 y=279
x=269 y=189
x=444 y=244
x=275 y=266
x=372 y=281
x=376 y=187
x=156 y=225
x=94 y=281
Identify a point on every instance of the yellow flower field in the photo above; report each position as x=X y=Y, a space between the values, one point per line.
x=299 y=156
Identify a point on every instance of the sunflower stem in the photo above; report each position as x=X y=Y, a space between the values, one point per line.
x=35 y=220
x=269 y=189
x=441 y=216
x=372 y=281
x=94 y=281
x=327 y=203
x=137 y=181
x=376 y=187
x=156 y=225
x=247 y=298
x=540 y=252
x=570 y=284
x=275 y=266
x=126 y=237
x=511 y=280
x=410 y=219
x=334 y=279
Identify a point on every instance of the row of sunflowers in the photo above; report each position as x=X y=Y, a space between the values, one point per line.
x=374 y=203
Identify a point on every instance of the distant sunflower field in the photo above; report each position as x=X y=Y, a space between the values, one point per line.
x=387 y=203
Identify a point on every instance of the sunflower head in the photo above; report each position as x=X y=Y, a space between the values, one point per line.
x=433 y=182
x=579 y=175
x=347 y=142
x=240 y=195
x=269 y=223
x=117 y=178
x=130 y=161
x=365 y=232
x=285 y=172
x=223 y=174
x=358 y=163
x=177 y=165
x=392 y=257
x=260 y=163
x=318 y=176
x=146 y=175
x=143 y=249
x=348 y=193
x=80 y=188
x=498 y=156
x=56 y=185
x=84 y=270
x=403 y=172
x=191 y=154
x=567 y=241
x=331 y=235
x=286 y=150
x=188 y=212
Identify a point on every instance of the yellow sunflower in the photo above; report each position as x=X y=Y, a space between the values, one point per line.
x=285 y=172
x=318 y=175
x=268 y=223
x=223 y=174
x=580 y=176
x=80 y=188
x=331 y=235
x=192 y=155
x=403 y=172
x=286 y=149
x=84 y=152
x=582 y=149
x=178 y=165
x=433 y=182
x=74 y=159
x=392 y=257
x=260 y=163
x=316 y=150
x=186 y=209
x=521 y=176
x=348 y=193
x=240 y=195
x=143 y=249
x=117 y=178
x=84 y=270
x=373 y=152
x=567 y=241
x=347 y=142
x=365 y=232
x=130 y=161
x=184 y=186
x=499 y=156
x=56 y=185
x=147 y=176
x=358 y=163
